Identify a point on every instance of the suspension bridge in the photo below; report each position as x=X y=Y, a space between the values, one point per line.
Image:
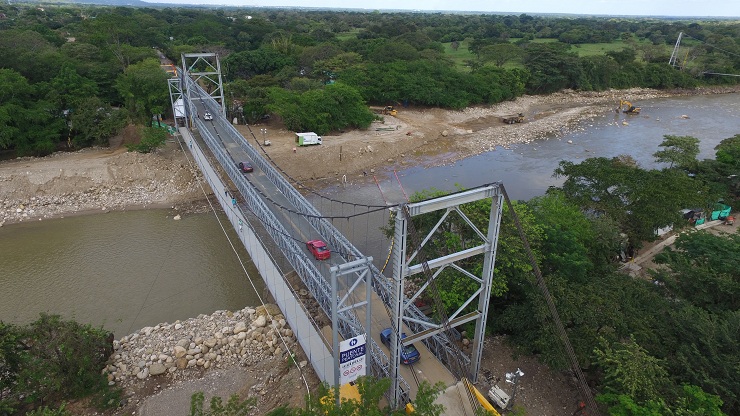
x=352 y=294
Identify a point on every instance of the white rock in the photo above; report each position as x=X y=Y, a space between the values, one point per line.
x=179 y=351
x=260 y=322
x=240 y=327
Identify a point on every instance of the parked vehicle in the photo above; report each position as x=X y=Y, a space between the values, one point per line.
x=245 y=167
x=305 y=139
x=319 y=249
x=409 y=353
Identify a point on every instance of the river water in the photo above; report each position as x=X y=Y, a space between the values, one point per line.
x=526 y=169
x=122 y=270
x=127 y=270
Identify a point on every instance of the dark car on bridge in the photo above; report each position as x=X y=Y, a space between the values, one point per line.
x=245 y=167
x=319 y=249
x=409 y=353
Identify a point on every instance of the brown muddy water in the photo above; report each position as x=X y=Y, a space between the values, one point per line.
x=122 y=270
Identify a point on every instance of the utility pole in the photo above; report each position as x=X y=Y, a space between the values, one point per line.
x=513 y=378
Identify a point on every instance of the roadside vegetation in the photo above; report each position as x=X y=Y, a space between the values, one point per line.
x=74 y=76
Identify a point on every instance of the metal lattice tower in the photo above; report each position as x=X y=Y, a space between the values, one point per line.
x=403 y=268
x=674 y=54
x=205 y=70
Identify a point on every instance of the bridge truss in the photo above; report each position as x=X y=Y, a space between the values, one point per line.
x=437 y=336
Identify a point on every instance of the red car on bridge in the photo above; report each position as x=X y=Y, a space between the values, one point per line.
x=319 y=249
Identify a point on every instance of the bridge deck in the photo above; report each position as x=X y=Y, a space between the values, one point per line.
x=429 y=368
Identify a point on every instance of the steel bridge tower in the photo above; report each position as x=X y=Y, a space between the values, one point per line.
x=205 y=70
x=406 y=264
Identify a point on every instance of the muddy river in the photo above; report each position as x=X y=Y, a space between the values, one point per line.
x=122 y=270
x=128 y=270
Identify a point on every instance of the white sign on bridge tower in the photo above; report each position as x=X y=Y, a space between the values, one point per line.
x=352 y=359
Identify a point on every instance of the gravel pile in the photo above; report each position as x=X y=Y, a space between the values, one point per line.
x=182 y=350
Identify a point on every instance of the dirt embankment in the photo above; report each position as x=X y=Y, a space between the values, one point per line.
x=94 y=180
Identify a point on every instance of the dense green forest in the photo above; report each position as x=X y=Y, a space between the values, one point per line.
x=80 y=73
x=73 y=76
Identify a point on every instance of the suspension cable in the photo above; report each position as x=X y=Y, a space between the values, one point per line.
x=582 y=385
x=296 y=181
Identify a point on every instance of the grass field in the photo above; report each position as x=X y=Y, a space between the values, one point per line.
x=460 y=55
x=348 y=35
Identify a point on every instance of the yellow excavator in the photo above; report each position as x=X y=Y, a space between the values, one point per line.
x=390 y=111
x=628 y=108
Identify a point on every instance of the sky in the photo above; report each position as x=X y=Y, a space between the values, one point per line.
x=698 y=8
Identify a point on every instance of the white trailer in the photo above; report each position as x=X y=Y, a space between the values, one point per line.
x=305 y=139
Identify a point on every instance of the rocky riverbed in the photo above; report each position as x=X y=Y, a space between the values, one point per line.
x=257 y=340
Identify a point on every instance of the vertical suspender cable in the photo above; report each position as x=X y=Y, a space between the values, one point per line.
x=583 y=386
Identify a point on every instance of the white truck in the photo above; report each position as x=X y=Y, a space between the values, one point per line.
x=305 y=139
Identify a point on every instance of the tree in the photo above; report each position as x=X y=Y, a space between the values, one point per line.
x=93 y=122
x=334 y=107
x=51 y=360
x=680 y=151
x=630 y=370
x=500 y=53
x=68 y=88
x=640 y=201
x=728 y=151
x=702 y=269
x=143 y=87
x=20 y=107
x=151 y=139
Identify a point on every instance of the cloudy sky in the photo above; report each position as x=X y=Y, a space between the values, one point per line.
x=726 y=8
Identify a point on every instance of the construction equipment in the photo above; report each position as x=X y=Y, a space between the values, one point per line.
x=627 y=107
x=388 y=110
x=514 y=118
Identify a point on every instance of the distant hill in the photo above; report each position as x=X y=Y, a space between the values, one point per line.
x=134 y=3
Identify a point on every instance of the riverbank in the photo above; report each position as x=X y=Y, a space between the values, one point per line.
x=105 y=179
x=94 y=180
x=434 y=137
x=251 y=352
